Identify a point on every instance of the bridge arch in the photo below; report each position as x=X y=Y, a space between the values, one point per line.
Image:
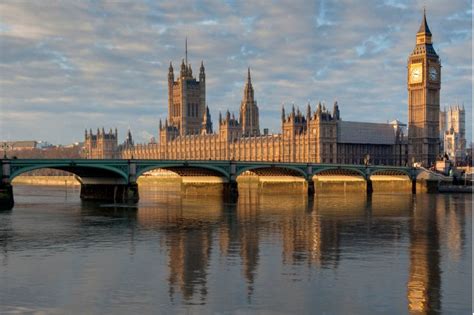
x=393 y=172
x=79 y=170
x=214 y=170
x=339 y=170
x=295 y=170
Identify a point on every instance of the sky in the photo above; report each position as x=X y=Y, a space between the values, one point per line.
x=70 y=65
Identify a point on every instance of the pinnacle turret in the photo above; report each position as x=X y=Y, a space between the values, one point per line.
x=249 y=117
x=335 y=112
x=424 y=25
x=423 y=39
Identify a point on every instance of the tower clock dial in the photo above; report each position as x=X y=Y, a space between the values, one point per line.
x=416 y=73
x=433 y=73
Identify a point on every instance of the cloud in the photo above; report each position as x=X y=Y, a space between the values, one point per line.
x=67 y=65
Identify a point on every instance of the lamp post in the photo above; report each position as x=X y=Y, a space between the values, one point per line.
x=367 y=160
x=5 y=147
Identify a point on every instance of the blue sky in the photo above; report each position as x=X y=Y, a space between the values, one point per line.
x=70 y=65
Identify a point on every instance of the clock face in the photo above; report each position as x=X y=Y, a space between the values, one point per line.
x=433 y=73
x=416 y=73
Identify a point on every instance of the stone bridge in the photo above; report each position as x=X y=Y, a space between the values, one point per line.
x=116 y=180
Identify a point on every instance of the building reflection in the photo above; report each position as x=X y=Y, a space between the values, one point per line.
x=423 y=288
x=6 y=234
x=189 y=254
x=315 y=232
x=451 y=215
x=200 y=237
x=301 y=236
x=187 y=225
x=246 y=235
x=427 y=232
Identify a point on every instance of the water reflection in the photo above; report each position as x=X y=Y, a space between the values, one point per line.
x=311 y=233
x=425 y=280
x=338 y=241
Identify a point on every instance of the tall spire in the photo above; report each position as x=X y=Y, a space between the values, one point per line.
x=424 y=24
x=249 y=110
x=248 y=90
x=423 y=39
x=186 y=50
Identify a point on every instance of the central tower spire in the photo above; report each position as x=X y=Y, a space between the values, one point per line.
x=249 y=119
x=186 y=98
x=186 y=50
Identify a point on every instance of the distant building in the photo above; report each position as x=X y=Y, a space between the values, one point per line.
x=101 y=145
x=19 y=145
x=43 y=145
x=442 y=127
x=454 y=137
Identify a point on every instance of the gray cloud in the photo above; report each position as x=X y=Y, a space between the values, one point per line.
x=72 y=65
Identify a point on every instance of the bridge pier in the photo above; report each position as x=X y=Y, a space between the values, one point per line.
x=413 y=186
x=311 y=189
x=426 y=186
x=6 y=197
x=369 y=188
x=231 y=191
x=6 y=190
x=117 y=193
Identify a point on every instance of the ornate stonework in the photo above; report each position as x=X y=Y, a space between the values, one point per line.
x=424 y=84
x=319 y=136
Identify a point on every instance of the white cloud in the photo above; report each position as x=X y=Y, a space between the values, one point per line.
x=95 y=64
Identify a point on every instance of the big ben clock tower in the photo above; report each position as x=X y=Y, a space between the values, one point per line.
x=424 y=84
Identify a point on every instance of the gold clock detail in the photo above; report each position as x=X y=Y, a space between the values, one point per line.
x=416 y=73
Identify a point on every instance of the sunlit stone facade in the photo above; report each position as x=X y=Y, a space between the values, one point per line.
x=453 y=133
x=424 y=85
x=316 y=136
x=313 y=136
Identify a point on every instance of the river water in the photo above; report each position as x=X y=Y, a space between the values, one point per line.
x=267 y=254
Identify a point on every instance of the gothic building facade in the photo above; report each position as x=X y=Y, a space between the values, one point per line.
x=453 y=132
x=317 y=135
x=424 y=84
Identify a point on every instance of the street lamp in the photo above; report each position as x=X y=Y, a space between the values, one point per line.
x=5 y=147
x=367 y=160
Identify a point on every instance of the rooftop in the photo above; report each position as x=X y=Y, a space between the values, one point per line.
x=365 y=133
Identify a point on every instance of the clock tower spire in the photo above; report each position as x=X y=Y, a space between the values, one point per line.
x=424 y=84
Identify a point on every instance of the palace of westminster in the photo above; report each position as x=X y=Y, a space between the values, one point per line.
x=316 y=136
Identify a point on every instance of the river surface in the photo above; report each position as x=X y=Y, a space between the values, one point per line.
x=266 y=254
